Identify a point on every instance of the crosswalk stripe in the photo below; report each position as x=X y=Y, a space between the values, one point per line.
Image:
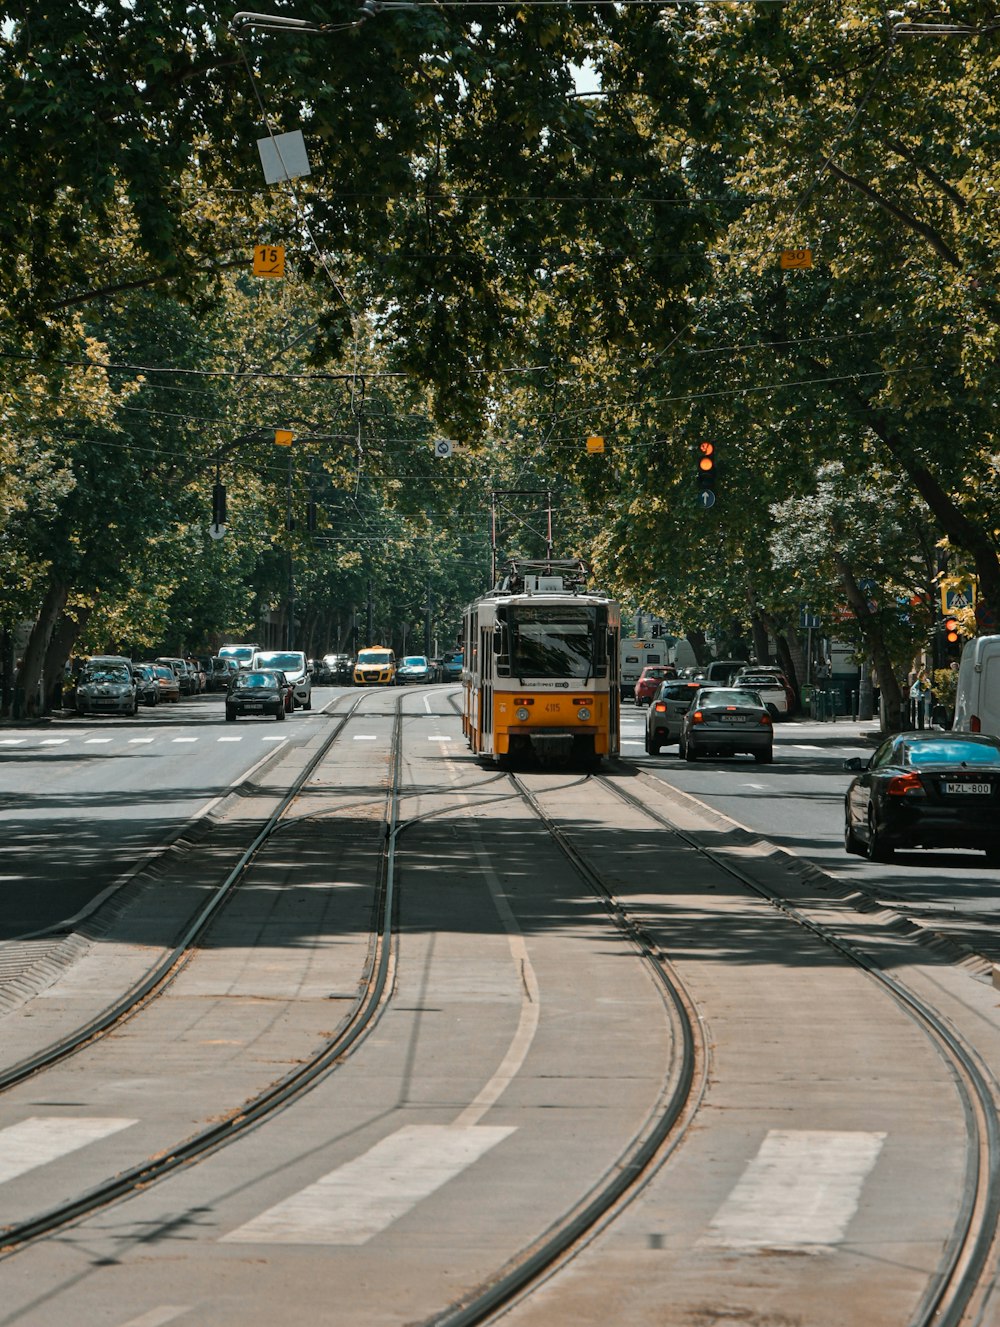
x=43 y=1138
x=363 y=1197
x=799 y=1192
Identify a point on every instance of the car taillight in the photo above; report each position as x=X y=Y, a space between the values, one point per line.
x=660 y=707
x=697 y=717
x=975 y=724
x=766 y=720
x=905 y=785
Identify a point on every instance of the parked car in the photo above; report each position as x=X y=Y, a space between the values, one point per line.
x=146 y=685
x=414 y=668
x=666 y=712
x=221 y=672
x=925 y=790
x=106 y=689
x=769 y=686
x=170 y=687
x=185 y=677
x=199 y=672
x=723 y=670
x=255 y=692
x=649 y=680
x=725 y=720
x=293 y=664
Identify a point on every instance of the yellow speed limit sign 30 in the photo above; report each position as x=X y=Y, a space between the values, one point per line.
x=795 y=259
x=269 y=260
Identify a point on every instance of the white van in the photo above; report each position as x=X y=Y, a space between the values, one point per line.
x=977 y=695
x=293 y=664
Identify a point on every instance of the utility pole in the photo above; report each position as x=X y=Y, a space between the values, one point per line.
x=371 y=614
x=427 y=621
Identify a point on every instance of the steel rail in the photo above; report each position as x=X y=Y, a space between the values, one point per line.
x=160 y=976
x=647 y=1150
x=298 y=1081
x=965 y=1258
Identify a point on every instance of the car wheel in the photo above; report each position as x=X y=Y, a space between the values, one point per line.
x=308 y=705
x=852 y=843
x=764 y=757
x=690 y=754
x=876 y=848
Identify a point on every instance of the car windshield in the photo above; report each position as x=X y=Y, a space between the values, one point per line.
x=255 y=680
x=765 y=681
x=375 y=657
x=556 y=640
x=106 y=675
x=276 y=659
x=723 y=696
x=953 y=751
x=244 y=653
x=415 y=661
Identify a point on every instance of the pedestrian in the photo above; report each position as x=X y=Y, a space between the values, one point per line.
x=922 y=699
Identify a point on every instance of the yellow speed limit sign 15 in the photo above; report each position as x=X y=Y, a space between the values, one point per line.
x=268 y=260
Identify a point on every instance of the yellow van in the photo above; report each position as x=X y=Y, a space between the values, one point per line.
x=375 y=667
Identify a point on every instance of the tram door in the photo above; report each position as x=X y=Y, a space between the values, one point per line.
x=486 y=688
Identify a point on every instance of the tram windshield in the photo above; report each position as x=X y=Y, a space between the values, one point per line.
x=556 y=640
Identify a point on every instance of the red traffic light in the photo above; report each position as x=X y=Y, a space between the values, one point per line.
x=706 y=459
x=951 y=633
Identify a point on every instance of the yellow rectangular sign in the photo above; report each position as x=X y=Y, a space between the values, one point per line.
x=796 y=259
x=283 y=437
x=595 y=444
x=269 y=260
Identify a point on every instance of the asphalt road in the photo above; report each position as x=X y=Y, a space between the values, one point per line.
x=83 y=801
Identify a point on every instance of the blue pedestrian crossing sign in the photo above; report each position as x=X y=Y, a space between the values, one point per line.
x=706 y=498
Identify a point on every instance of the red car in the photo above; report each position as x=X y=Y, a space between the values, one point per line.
x=649 y=679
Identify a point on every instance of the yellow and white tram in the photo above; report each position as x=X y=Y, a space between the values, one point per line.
x=541 y=667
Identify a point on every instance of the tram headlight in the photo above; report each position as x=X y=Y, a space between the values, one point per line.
x=523 y=714
x=583 y=714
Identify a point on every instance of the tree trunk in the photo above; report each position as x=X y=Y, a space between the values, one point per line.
x=761 y=644
x=696 y=639
x=29 y=674
x=64 y=636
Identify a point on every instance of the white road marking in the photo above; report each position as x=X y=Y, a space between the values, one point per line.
x=54 y=741
x=427 y=704
x=364 y=737
x=631 y=741
x=158 y=1317
x=42 y=1138
x=804 y=746
x=365 y=1196
x=761 y=787
x=230 y=739
x=139 y=741
x=97 y=741
x=438 y=737
x=799 y=1192
x=12 y=741
x=184 y=739
x=273 y=739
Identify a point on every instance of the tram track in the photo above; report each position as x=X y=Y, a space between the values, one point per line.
x=278 y=1094
x=966 y=1259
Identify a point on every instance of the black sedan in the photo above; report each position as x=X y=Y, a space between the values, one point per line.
x=725 y=720
x=925 y=790
x=255 y=693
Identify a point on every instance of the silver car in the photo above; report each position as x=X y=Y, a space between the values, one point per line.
x=106 y=689
x=665 y=715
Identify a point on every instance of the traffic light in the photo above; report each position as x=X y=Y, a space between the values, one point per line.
x=952 y=637
x=706 y=464
x=219 y=504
